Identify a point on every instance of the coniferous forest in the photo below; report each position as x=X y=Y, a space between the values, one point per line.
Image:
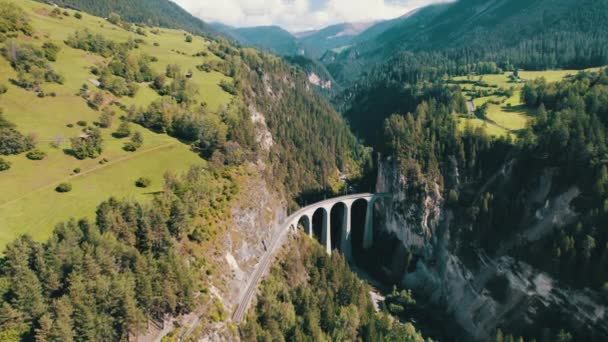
x=478 y=208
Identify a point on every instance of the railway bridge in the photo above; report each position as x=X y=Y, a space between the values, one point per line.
x=317 y=222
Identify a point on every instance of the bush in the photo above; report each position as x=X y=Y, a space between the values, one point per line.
x=13 y=142
x=64 y=187
x=188 y=39
x=36 y=155
x=70 y=125
x=123 y=130
x=4 y=164
x=129 y=147
x=77 y=170
x=77 y=15
x=105 y=120
x=87 y=145
x=143 y=182
x=81 y=123
x=3 y=88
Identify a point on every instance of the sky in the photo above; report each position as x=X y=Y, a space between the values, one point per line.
x=298 y=15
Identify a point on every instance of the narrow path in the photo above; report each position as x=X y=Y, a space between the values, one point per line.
x=96 y=168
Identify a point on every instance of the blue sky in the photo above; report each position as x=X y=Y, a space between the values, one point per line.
x=298 y=15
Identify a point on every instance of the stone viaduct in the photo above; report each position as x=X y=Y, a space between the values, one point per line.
x=305 y=216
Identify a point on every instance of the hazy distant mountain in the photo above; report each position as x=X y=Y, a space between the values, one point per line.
x=480 y=29
x=270 y=38
x=312 y=44
x=332 y=37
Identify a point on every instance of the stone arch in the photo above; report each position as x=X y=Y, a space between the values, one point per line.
x=319 y=224
x=338 y=221
x=306 y=224
x=358 y=216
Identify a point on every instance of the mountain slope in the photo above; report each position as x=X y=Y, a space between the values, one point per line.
x=528 y=34
x=316 y=43
x=163 y=13
x=268 y=38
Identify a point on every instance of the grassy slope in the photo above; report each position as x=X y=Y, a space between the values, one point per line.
x=504 y=119
x=28 y=203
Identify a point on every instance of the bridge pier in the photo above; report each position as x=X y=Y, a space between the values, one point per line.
x=326 y=238
x=368 y=232
x=346 y=240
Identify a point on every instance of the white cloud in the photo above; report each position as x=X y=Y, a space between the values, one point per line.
x=298 y=15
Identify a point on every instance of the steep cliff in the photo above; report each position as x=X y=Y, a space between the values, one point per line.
x=485 y=290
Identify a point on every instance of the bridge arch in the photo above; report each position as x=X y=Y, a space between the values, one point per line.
x=339 y=230
x=358 y=215
x=305 y=223
x=320 y=225
x=329 y=222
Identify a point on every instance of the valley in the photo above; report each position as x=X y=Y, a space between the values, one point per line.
x=437 y=175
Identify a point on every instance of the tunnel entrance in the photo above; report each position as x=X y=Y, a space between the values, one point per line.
x=337 y=225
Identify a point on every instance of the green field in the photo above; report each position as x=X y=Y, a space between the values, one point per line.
x=506 y=115
x=28 y=202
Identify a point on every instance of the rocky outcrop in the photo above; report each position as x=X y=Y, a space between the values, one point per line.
x=489 y=292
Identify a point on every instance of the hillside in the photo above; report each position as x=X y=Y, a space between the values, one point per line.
x=53 y=113
x=129 y=153
x=163 y=13
x=535 y=35
x=267 y=38
x=334 y=37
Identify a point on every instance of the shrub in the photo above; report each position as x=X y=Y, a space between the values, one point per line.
x=188 y=39
x=81 y=123
x=3 y=88
x=143 y=182
x=64 y=187
x=70 y=125
x=13 y=142
x=51 y=50
x=77 y=170
x=123 y=130
x=88 y=145
x=129 y=147
x=105 y=120
x=77 y=15
x=35 y=154
x=4 y=164
x=228 y=87
x=137 y=139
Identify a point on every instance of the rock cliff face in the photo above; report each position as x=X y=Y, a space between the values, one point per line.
x=485 y=292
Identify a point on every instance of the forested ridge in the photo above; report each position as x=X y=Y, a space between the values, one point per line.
x=106 y=278
x=163 y=13
x=311 y=296
x=533 y=35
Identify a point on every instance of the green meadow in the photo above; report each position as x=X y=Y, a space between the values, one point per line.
x=28 y=201
x=505 y=114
